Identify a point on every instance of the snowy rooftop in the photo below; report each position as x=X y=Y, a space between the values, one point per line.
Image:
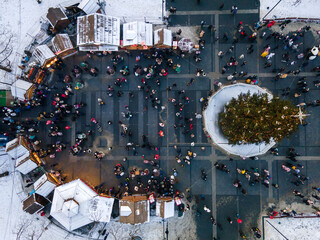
x=98 y=29
x=137 y=33
x=89 y=6
x=211 y=119
x=43 y=53
x=163 y=37
x=61 y=42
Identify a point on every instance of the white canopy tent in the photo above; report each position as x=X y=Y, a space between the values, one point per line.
x=22 y=89
x=26 y=164
x=211 y=119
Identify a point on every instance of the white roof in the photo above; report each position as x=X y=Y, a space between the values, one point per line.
x=19 y=88
x=100 y=208
x=125 y=211
x=139 y=33
x=43 y=53
x=24 y=164
x=64 y=211
x=168 y=208
x=98 y=29
x=163 y=36
x=17 y=151
x=211 y=120
x=43 y=186
x=89 y=6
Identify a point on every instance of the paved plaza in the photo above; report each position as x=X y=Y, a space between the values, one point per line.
x=217 y=192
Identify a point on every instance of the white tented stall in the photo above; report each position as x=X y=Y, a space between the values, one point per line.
x=26 y=163
x=162 y=38
x=165 y=207
x=22 y=90
x=17 y=147
x=137 y=34
x=43 y=54
x=98 y=32
x=45 y=184
x=89 y=6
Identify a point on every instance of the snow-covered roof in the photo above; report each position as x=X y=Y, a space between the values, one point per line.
x=137 y=33
x=70 y=204
x=61 y=42
x=211 y=120
x=19 y=89
x=55 y=15
x=89 y=6
x=162 y=36
x=96 y=30
x=44 y=185
x=165 y=207
x=25 y=164
x=17 y=147
x=43 y=53
x=134 y=209
x=100 y=208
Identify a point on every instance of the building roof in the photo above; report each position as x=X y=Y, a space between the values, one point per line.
x=19 y=141
x=134 y=209
x=45 y=184
x=70 y=204
x=34 y=203
x=54 y=15
x=89 y=6
x=100 y=208
x=61 y=42
x=98 y=29
x=43 y=53
x=137 y=33
x=162 y=36
x=165 y=207
x=26 y=163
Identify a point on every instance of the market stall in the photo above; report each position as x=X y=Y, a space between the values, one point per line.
x=22 y=90
x=137 y=35
x=63 y=46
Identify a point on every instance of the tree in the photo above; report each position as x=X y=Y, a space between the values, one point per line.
x=6 y=48
x=255 y=119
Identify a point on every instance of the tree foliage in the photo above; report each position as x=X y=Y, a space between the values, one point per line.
x=255 y=119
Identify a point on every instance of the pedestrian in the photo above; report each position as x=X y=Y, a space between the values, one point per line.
x=221 y=6
x=234 y=10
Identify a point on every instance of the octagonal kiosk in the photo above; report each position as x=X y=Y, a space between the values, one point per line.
x=216 y=105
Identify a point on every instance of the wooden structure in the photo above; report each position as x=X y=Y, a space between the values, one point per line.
x=22 y=90
x=165 y=207
x=46 y=184
x=57 y=18
x=44 y=56
x=17 y=147
x=162 y=38
x=34 y=203
x=137 y=35
x=28 y=162
x=134 y=209
x=98 y=32
x=63 y=46
x=89 y=6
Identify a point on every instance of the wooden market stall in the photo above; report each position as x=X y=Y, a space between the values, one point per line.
x=22 y=90
x=98 y=32
x=28 y=162
x=46 y=184
x=165 y=207
x=17 y=147
x=34 y=203
x=137 y=35
x=62 y=46
x=162 y=38
x=89 y=6
x=57 y=18
x=134 y=209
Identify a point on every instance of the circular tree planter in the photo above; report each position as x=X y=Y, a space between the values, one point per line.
x=216 y=105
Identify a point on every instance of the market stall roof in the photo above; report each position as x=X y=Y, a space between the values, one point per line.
x=163 y=36
x=137 y=33
x=211 y=120
x=34 y=203
x=19 y=88
x=26 y=163
x=17 y=147
x=165 y=207
x=134 y=209
x=55 y=15
x=43 y=53
x=45 y=184
x=89 y=6
x=61 y=42
x=98 y=32
x=70 y=204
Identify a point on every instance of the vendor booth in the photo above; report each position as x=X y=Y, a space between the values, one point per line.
x=44 y=56
x=22 y=90
x=134 y=209
x=57 y=18
x=89 y=6
x=46 y=184
x=17 y=147
x=98 y=32
x=165 y=207
x=27 y=162
x=162 y=38
x=34 y=203
x=137 y=35
x=63 y=46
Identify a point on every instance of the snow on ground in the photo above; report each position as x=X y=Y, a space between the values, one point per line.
x=292 y=228
x=137 y=10
x=290 y=8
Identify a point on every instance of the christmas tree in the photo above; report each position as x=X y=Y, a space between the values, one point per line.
x=255 y=119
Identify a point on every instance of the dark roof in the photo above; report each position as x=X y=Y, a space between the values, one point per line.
x=34 y=203
x=54 y=15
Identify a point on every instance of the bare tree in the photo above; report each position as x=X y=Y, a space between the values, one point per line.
x=6 y=48
x=21 y=227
